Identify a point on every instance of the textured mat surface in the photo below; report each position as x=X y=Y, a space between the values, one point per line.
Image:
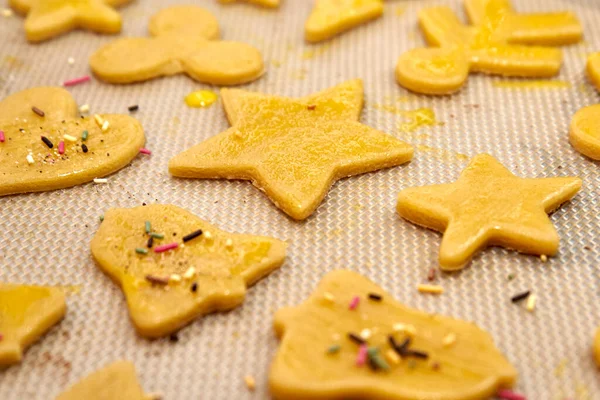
x=45 y=237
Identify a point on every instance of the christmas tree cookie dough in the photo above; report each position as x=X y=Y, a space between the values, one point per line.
x=184 y=40
x=264 y=3
x=26 y=313
x=593 y=69
x=350 y=339
x=584 y=133
x=47 y=19
x=174 y=267
x=45 y=145
x=490 y=46
x=116 y=381
x=332 y=17
x=488 y=205
x=293 y=149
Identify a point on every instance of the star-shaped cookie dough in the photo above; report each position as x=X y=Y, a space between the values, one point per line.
x=264 y=3
x=50 y=18
x=593 y=69
x=26 y=313
x=584 y=133
x=174 y=267
x=332 y=17
x=116 y=381
x=45 y=145
x=352 y=340
x=293 y=149
x=488 y=205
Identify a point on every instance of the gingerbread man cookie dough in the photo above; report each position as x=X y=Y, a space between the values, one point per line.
x=293 y=149
x=352 y=340
x=184 y=40
x=488 y=205
x=174 y=267
x=47 y=19
x=26 y=313
x=44 y=145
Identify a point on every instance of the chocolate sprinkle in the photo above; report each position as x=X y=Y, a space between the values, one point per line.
x=356 y=338
x=520 y=296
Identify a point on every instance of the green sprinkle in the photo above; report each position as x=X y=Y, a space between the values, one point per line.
x=511 y=277
x=334 y=349
x=157 y=235
x=101 y=218
x=141 y=251
x=84 y=135
x=375 y=357
x=148 y=227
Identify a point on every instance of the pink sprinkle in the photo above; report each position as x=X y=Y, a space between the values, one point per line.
x=143 y=150
x=361 y=357
x=2 y=138
x=166 y=247
x=354 y=302
x=506 y=394
x=1 y=337
x=61 y=147
x=77 y=81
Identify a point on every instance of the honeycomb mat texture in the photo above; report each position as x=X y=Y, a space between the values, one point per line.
x=45 y=236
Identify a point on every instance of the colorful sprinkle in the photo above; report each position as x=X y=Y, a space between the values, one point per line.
x=175 y=278
x=7 y=12
x=70 y=60
x=544 y=258
x=431 y=275
x=392 y=357
x=157 y=235
x=520 y=296
x=47 y=142
x=61 y=147
x=228 y=243
x=84 y=148
x=150 y=242
x=449 y=340
x=407 y=329
x=139 y=250
x=105 y=126
x=84 y=109
x=207 y=235
x=157 y=279
x=194 y=287
x=77 y=81
x=133 y=108
x=145 y=151
x=375 y=359
x=361 y=356
x=531 y=302
x=334 y=349
x=166 y=247
x=431 y=289
x=84 y=135
x=189 y=274
x=506 y=394
x=356 y=338
x=101 y=218
x=375 y=296
x=250 y=382
x=100 y=180
x=365 y=334
x=194 y=235
x=29 y=159
x=311 y=107
x=38 y=111
x=148 y=226
x=329 y=297
x=1 y=337
x=354 y=303
x=69 y=138
x=99 y=120
x=2 y=137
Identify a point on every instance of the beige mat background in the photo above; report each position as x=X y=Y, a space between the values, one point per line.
x=45 y=237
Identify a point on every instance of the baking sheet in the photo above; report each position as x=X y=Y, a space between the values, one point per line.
x=45 y=236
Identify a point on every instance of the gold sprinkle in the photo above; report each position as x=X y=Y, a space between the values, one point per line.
x=365 y=334
x=449 y=340
x=30 y=159
x=84 y=109
x=105 y=126
x=71 y=60
x=392 y=357
x=98 y=120
x=250 y=382
x=229 y=243
x=544 y=258
x=189 y=274
x=431 y=289
x=407 y=329
x=329 y=297
x=207 y=235
x=175 y=278
x=531 y=302
x=69 y=138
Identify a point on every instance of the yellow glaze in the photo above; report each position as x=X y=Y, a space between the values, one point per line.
x=488 y=205
x=47 y=19
x=332 y=17
x=224 y=265
x=293 y=149
x=201 y=98
x=458 y=49
x=593 y=69
x=585 y=131
x=108 y=151
x=547 y=29
x=26 y=313
x=264 y=3
x=418 y=119
x=596 y=347
x=116 y=381
x=470 y=368
x=182 y=42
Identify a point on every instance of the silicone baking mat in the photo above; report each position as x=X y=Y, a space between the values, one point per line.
x=45 y=236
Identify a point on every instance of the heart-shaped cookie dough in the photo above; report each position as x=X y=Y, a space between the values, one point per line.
x=40 y=153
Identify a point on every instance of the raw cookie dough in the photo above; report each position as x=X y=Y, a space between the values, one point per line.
x=116 y=381
x=27 y=164
x=26 y=313
x=264 y=3
x=458 y=50
x=184 y=41
x=332 y=17
x=293 y=149
x=593 y=69
x=596 y=347
x=488 y=205
x=50 y=18
x=584 y=133
x=446 y=359
x=167 y=290
x=545 y=29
